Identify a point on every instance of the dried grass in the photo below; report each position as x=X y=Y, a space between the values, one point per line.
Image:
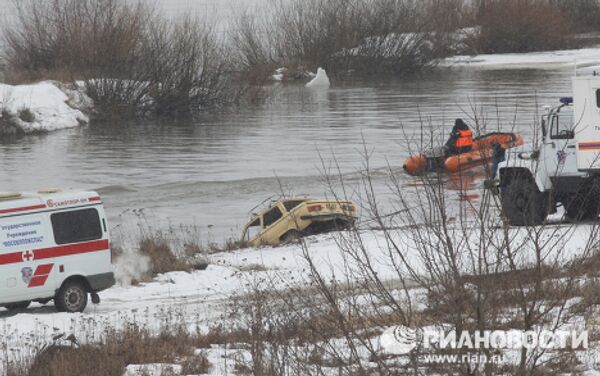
x=117 y=350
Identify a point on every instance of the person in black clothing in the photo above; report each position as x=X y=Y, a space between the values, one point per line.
x=461 y=139
x=498 y=156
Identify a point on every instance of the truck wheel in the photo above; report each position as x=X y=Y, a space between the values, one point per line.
x=522 y=203
x=72 y=297
x=583 y=207
x=17 y=306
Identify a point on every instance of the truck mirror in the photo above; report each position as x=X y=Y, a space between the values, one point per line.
x=543 y=127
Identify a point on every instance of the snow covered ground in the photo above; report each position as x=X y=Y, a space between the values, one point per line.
x=585 y=59
x=199 y=299
x=41 y=107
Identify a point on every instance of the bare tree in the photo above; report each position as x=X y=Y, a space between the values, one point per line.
x=421 y=259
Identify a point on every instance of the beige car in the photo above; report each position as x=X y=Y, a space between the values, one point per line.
x=288 y=219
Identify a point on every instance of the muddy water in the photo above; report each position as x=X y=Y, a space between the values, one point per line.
x=208 y=173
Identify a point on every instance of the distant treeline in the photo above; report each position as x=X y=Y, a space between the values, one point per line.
x=134 y=61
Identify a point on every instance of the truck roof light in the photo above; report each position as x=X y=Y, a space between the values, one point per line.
x=566 y=100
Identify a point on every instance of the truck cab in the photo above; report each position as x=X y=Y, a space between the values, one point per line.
x=562 y=168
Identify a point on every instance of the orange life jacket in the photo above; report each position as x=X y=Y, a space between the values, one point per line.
x=465 y=139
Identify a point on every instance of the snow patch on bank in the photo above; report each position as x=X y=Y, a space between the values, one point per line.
x=41 y=107
x=585 y=59
x=153 y=369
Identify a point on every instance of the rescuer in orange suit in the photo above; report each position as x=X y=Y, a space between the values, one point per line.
x=461 y=139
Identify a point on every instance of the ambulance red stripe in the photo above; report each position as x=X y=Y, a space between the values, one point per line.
x=37 y=207
x=38 y=280
x=60 y=251
x=11 y=258
x=71 y=249
x=24 y=208
x=43 y=269
x=42 y=272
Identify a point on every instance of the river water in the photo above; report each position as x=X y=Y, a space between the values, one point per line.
x=208 y=173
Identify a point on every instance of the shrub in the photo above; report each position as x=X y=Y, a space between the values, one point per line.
x=521 y=26
x=364 y=36
x=119 y=349
x=162 y=258
x=132 y=61
x=26 y=115
x=76 y=39
x=583 y=15
x=7 y=123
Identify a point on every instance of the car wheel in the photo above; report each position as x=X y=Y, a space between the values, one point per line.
x=17 y=306
x=72 y=297
x=292 y=236
x=522 y=203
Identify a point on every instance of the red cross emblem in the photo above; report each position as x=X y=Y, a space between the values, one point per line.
x=27 y=256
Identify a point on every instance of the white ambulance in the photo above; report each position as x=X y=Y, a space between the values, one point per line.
x=53 y=245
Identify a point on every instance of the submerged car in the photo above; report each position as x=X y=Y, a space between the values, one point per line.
x=288 y=219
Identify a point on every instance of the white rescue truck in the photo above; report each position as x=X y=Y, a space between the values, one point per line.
x=563 y=168
x=53 y=245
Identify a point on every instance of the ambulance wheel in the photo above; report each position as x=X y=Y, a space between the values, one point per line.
x=72 y=297
x=522 y=203
x=18 y=305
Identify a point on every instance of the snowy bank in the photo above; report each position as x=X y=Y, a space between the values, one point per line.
x=41 y=107
x=200 y=299
x=586 y=58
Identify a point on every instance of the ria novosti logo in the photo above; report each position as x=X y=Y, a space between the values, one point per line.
x=402 y=340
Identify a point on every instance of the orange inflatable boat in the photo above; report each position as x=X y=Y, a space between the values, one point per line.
x=481 y=154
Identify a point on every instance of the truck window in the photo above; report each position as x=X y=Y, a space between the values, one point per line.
x=76 y=226
x=272 y=216
x=598 y=98
x=562 y=125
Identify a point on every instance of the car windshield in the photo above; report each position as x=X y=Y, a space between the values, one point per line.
x=252 y=229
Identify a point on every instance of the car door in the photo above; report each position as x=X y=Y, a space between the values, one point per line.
x=272 y=225
x=560 y=146
x=23 y=277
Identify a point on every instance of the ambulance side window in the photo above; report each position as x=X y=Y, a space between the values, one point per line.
x=598 y=98
x=76 y=226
